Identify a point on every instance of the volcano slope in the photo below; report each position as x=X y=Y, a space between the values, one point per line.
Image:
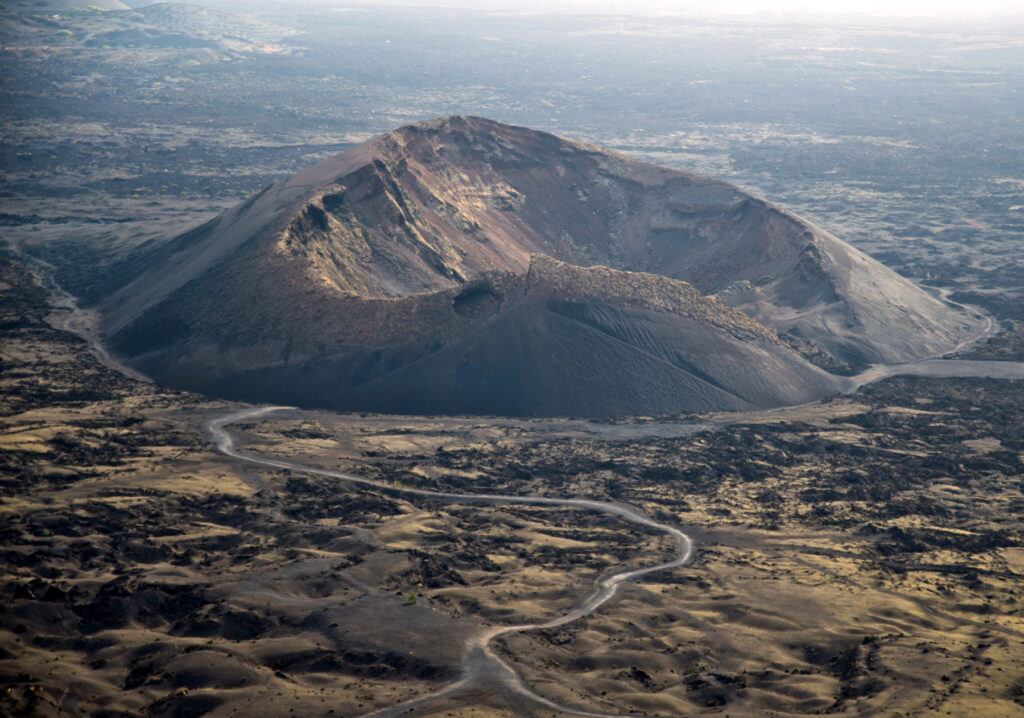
x=464 y=266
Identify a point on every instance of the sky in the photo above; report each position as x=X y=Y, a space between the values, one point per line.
x=922 y=8
x=881 y=8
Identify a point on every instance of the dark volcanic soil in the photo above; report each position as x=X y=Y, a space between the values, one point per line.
x=863 y=555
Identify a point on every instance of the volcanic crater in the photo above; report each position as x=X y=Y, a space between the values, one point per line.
x=462 y=266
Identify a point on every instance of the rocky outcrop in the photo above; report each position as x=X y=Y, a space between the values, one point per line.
x=649 y=291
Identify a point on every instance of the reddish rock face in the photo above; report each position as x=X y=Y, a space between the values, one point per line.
x=361 y=277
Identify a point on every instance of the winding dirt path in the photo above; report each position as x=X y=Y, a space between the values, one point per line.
x=481 y=665
x=483 y=668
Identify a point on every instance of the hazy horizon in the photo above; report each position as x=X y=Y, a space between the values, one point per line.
x=925 y=9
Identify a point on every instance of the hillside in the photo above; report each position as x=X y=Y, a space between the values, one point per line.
x=438 y=269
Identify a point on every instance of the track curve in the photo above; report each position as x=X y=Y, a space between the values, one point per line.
x=481 y=665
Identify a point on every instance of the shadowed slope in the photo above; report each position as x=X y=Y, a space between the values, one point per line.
x=556 y=340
